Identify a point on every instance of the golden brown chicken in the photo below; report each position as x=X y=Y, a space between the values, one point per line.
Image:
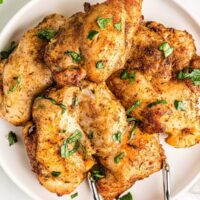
x=95 y=43
x=94 y=111
x=25 y=74
x=160 y=101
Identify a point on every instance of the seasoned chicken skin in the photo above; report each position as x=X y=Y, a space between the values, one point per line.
x=95 y=43
x=92 y=109
x=167 y=105
x=25 y=74
x=145 y=53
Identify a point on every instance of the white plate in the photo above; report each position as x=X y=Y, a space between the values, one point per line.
x=185 y=164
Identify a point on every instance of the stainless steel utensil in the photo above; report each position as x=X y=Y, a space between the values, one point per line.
x=93 y=188
x=166 y=181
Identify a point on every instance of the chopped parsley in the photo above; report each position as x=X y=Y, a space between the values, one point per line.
x=137 y=103
x=92 y=34
x=100 y=64
x=18 y=80
x=74 y=195
x=74 y=138
x=90 y=135
x=98 y=172
x=75 y=101
x=179 y=105
x=119 y=157
x=156 y=103
x=12 y=138
x=5 y=54
x=118 y=26
x=84 y=151
x=125 y=75
x=126 y=197
x=47 y=34
x=166 y=49
x=55 y=173
x=103 y=22
x=133 y=132
x=131 y=119
x=117 y=136
x=1 y=1
x=194 y=76
x=54 y=102
x=75 y=56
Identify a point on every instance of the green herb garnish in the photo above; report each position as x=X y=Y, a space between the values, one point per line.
x=92 y=34
x=55 y=173
x=117 y=136
x=156 y=103
x=74 y=195
x=75 y=101
x=126 y=197
x=103 y=22
x=63 y=131
x=12 y=138
x=74 y=138
x=100 y=64
x=83 y=148
x=18 y=80
x=137 y=103
x=126 y=75
x=75 y=56
x=47 y=34
x=118 y=26
x=179 y=105
x=98 y=173
x=119 y=157
x=5 y=54
x=90 y=135
x=1 y=1
x=166 y=49
x=64 y=108
x=131 y=119
x=133 y=132
x=194 y=76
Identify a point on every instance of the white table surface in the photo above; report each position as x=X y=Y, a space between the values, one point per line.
x=8 y=190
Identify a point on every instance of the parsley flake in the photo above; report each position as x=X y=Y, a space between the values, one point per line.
x=55 y=173
x=74 y=195
x=12 y=138
x=118 y=26
x=166 y=49
x=75 y=56
x=126 y=197
x=47 y=34
x=179 y=105
x=5 y=54
x=137 y=103
x=92 y=34
x=103 y=22
x=117 y=136
x=156 y=103
x=18 y=80
x=100 y=64
x=126 y=75
x=119 y=157
x=98 y=172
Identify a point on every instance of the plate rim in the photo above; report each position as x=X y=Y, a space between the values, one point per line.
x=31 y=3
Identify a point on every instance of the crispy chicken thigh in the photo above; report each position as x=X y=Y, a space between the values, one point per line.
x=95 y=43
x=92 y=109
x=145 y=53
x=157 y=87
x=25 y=74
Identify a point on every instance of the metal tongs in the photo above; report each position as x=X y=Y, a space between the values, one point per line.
x=93 y=187
x=166 y=181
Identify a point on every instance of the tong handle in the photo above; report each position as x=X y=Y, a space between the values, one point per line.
x=93 y=187
x=166 y=181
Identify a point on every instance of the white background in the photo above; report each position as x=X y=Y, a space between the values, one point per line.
x=8 y=190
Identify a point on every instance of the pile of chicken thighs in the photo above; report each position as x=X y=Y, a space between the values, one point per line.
x=94 y=92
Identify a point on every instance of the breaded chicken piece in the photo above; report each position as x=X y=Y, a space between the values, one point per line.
x=146 y=55
x=95 y=43
x=182 y=125
x=143 y=157
x=25 y=74
x=92 y=109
